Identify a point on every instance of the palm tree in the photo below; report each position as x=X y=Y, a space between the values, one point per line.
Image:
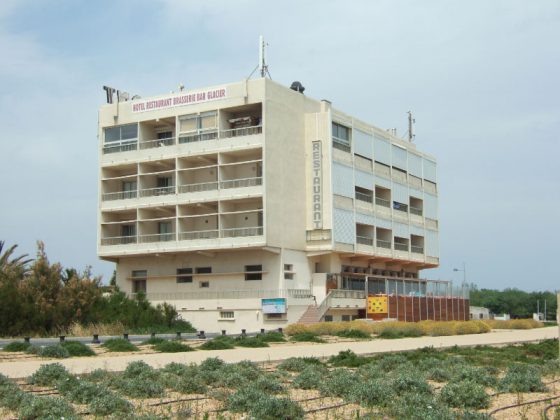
x=8 y=263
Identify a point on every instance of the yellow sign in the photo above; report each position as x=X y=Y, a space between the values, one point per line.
x=377 y=305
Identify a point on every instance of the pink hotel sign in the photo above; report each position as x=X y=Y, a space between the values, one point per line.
x=181 y=99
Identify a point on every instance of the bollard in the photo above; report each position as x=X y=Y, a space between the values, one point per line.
x=262 y=330
x=178 y=336
x=243 y=333
x=153 y=335
x=96 y=339
x=202 y=335
x=62 y=338
x=27 y=339
x=280 y=330
x=125 y=336
x=223 y=332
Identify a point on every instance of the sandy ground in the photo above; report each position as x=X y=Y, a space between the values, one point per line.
x=118 y=362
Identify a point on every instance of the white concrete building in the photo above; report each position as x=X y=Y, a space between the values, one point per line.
x=246 y=203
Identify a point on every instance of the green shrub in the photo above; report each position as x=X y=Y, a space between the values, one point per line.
x=49 y=375
x=179 y=369
x=211 y=364
x=119 y=344
x=372 y=392
x=410 y=383
x=401 y=332
x=474 y=374
x=307 y=337
x=99 y=375
x=522 y=378
x=242 y=400
x=298 y=364
x=389 y=362
x=77 y=349
x=338 y=383
x=190 y=385
x=218 y=343
x=474 y=415
x=272 y=337
x=16 y=346
x=110 y=404
x=140 y=368
x=352 y=334
x=153 y=340
x=79 y=391
x=371 y=371
x=348 y=358
x=172 y=346
x=55 y=351
x=412 y=406
x=45 y=408
x=11 y=395
x=273 y=408
x=466 y=394
x=33 y=349
x=269 y=385
x=309 y=378
x=439 y=375
x=139 y=387
x=252 y=342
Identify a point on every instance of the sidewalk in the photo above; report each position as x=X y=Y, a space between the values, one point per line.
x=119 y=363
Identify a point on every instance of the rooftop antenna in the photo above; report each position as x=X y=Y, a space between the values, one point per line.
x=411 y=121
x=262 y=66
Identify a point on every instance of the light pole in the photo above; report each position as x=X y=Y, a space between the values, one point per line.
x=464 y=270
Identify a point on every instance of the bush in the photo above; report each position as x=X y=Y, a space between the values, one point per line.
x=466 y=394
x=338 y=383
x=56 y=351
x=269 y=385
x=49 y=375
x=272 y=337
x=437 y=374
x=412 y=406
x=467 y=327
x=218 y=343
x=99 y=375
x=474 y=374
x=373 y=392
x=389 y=362
x=139 y=387
x=294 y=329
x=514 y=324
x=409 y=383
x=348 y=358
x=212 y=364
x=243 y=399
x=353 y=334
x=77 y=349
x=298 y=364
x=45 y=408
x=119 y=345
x=110 y=404
x=190 y=385
x=522 y=378
x=152 y=340
x=11 y=395
x=172 y=346
x=252 y=342
x=310 y=377
x=273 y=408
x=139 y=368
x=307 y=337
x=80 y=392
x=15 y=346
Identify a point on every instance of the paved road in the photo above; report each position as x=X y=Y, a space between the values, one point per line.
x=157 y=360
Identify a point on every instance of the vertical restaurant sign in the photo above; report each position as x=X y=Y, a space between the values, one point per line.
x=179 y=99
x=317 y=185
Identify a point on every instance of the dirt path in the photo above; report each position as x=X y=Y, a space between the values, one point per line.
x=20 y=369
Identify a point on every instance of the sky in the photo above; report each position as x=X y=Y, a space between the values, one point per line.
x=481 y=77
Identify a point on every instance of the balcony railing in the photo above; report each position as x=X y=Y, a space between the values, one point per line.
x=383 y=244
x=382 y=202
x=242 y=182
x=233 y=294
x=416 y=211
x=149 y=144
x=347 y=294
x=417 y=249
x=120 y=195
x=364 y=240
x=364 y=197
x=238 y=132
x=119 y=240
x=196 y=137
x=199 y=234
x=121 y=147
x=150 y=192
x=157 y=237
x=401 y=247
x=241 y=232
x=203 y=186
x=338 y=144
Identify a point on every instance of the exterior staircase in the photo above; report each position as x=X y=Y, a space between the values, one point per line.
x=311 y=315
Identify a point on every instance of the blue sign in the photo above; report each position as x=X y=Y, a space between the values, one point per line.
x=274 y=306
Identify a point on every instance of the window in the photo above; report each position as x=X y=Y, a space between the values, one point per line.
x=162 y=135
x=341 y=137
x=275 y=316
x=288 y=272
x=129 y=189
x=227 y=315
x=128 y=230
x=198 y=127
x=346 y=317
x=203 y=270
x=204 y=284
x=184 y=275
x=400 y=206
x=253 y=272
x=328 y=318
x=139 y=278
x=127 y=132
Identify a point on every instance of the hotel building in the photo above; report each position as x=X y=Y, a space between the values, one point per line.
x=250 y=205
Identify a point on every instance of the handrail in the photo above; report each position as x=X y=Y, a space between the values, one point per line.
x=241 y=182
x=348 y=294
x=199 y=234
x=233 y=294
x=201 y=186
x=149 y=144
x=383 y=244
x=417 y=249
x=241 y=232
x=157 y=237
x=364 y=240
x=382 y=202
x=198 y=136
x=121 y=147
x=149 y=192
x=243 y=131
x=119 y=195
x=363 y=197
x=401 y=247
x=415 y=210
x=119 y=240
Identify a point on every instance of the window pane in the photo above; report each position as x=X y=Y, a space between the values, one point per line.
x=112 y=134
x=129 y=131
x=184 y=275
x=208 y=120
x=203 y=270
x=188 y=124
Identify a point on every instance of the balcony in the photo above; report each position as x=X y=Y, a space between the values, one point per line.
x=199 y=136
x=153 y=192
x=150 y=144
x=199 y=234
x=401 y=247
x=382 y=202
x=157 y=237
x=203 y=186
x=240 y=183
x=383 y=244
x=242 y=232
x=416 y=211
x=318 y=235
x=364 y=197
x=238 y=132
x=121 y=147
x=119 y=240
x=417 y=249
x=119 y=195
x=364 y=240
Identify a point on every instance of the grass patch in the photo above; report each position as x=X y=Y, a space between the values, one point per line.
x=119 y=344
x=272 y=337
x=172 y=346
x=522 y=378
x=15 y=346
x=221 y=342
x=77 y=349
x=307 y=337
x=348 y=358
x=298 y=364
